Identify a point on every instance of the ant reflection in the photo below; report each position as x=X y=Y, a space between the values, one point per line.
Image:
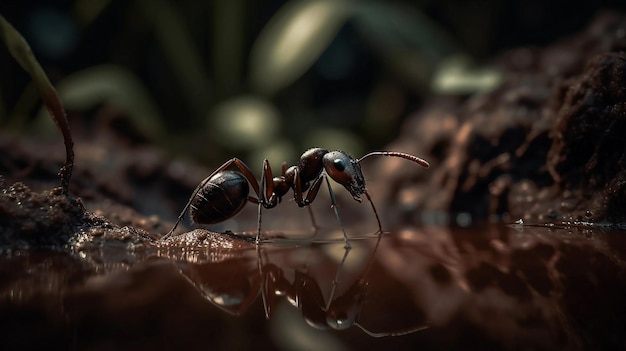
x=235 y=284
x=338 y=313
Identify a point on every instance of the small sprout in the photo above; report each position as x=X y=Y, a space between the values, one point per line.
x=21 y=52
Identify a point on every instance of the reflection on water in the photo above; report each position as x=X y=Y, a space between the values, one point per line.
x=492 y=287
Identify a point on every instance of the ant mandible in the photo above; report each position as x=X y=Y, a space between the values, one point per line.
x=223 y=193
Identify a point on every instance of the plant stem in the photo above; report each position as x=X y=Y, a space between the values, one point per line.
x=21 y=52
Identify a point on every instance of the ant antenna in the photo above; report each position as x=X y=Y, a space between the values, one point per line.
x=409 y=157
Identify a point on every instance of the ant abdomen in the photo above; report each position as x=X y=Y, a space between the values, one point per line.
x=222 y=197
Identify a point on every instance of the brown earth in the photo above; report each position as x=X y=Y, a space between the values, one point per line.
x=546 y=146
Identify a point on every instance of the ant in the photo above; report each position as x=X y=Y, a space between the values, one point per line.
x=223 y=193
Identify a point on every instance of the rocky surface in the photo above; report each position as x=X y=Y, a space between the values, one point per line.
x=48 y=219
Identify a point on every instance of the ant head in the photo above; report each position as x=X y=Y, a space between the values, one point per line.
x=345 y=170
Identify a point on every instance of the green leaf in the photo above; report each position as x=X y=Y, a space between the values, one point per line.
x=293 y=40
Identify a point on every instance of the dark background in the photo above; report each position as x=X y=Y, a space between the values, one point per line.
x=192 y=68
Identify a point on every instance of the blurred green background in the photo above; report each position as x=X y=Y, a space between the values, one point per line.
x=208 y=80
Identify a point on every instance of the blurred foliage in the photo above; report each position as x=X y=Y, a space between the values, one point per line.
x=214 y=79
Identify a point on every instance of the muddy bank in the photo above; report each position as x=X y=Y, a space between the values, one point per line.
x=545 y=146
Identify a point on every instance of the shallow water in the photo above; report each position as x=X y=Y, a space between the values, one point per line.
x=484 y=287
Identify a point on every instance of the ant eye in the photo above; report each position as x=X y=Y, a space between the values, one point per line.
x=339 y=165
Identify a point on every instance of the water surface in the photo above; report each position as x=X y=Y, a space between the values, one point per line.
x=485 y=287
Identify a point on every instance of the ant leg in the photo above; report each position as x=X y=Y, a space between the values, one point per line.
x=380 y=227
x=311 y=193
x=315 y=187
x=266 y=195
x=297 y=189
x=260 y=205
x=248 y=174
x=182 y=214
x=193 y=195
x=310 y=196
x=267 y=184
x=266 y=306
x=334 y=205
x=337 y=277
x=258 y=223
